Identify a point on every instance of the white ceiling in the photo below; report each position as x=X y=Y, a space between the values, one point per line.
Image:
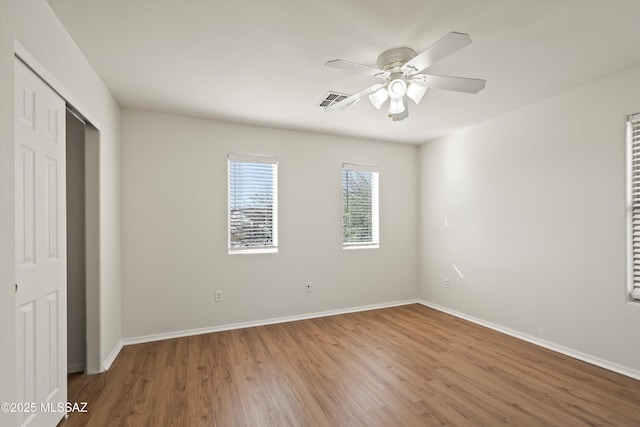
x=262 y=61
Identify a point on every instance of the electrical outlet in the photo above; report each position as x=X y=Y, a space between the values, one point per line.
x=219 y=296
x=307 y=287
x=447 y=284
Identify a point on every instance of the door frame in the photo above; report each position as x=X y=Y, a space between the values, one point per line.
x=92 y=206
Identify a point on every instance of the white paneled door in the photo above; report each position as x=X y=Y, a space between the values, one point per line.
x=41 y=267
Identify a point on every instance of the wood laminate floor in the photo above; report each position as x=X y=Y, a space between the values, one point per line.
x=401 y=366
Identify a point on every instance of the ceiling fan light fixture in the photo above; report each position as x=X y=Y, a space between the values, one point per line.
x=400 y=113
x=379 y=97
x=397 y=88
x=396 y=106
x=416 y=92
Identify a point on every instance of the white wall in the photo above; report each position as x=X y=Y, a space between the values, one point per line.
x=35 y=26
x=174 y=225
x=535 y=207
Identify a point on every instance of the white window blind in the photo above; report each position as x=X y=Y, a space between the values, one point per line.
x=633 y=132
x=253 y=203
x=359 y=206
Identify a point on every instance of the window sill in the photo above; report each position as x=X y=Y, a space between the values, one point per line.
x=253 y=251
x=353 y=247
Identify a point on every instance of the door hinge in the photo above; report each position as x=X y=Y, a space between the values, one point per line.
x=16 y=288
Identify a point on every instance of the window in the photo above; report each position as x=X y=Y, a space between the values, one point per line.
x=253 y=203
x=633 y=203
x=359 y=206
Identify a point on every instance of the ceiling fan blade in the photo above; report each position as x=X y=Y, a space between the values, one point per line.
x=353 y=99
x=358 y=68
x=457 y=84
x=444 y=47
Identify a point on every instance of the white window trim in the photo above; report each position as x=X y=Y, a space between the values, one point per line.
x=375 y=208
x=253 y=158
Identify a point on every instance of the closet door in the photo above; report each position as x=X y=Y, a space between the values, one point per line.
x=40 y=239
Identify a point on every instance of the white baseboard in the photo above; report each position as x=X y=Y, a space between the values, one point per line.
x=112 y=356
x=272 y=321
x=624 y=370
x=75 y=368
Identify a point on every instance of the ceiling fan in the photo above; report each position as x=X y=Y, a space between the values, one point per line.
x=402 y=71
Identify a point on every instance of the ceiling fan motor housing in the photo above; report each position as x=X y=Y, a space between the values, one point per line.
x=394 y=58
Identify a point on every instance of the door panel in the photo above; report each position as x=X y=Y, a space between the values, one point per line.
x=25 y=206
x=40 y=227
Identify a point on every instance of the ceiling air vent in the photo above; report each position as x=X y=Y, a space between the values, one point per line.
x=331 y=98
